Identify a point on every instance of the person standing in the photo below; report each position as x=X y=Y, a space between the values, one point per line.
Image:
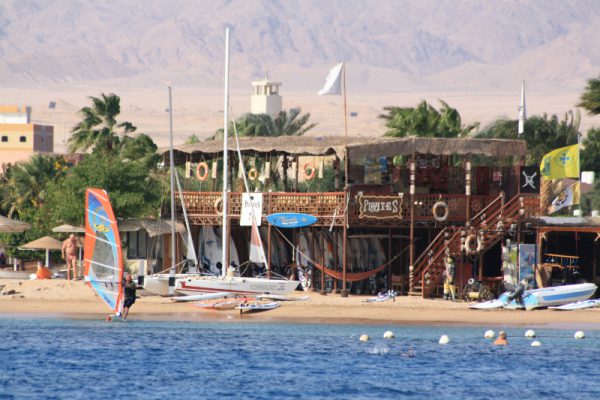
x=130 y=289
x=449 y=274
x=69 y=254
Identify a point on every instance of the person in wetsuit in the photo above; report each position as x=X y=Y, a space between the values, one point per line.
x=517 y=294
x=130 y=288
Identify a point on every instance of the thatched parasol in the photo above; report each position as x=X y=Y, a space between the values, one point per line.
x=46 y=243
x=66 y=228
x=8 y=225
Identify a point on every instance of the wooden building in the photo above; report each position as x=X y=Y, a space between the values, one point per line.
x=427 y=198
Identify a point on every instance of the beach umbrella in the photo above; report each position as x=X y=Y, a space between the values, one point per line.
x=66 y=228
x=45 y=243
x=8 y=225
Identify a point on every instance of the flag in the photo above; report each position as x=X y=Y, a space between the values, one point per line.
x=522 y=111
x=561 y=163
x=257 y=253
x=568 y=197
x=333 y=83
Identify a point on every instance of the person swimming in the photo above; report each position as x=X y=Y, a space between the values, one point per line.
x=501 y=341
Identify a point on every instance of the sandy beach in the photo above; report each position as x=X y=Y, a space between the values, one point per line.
x=73 y=299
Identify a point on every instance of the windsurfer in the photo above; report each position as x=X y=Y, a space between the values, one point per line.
x=69 y=254
x=130 y=288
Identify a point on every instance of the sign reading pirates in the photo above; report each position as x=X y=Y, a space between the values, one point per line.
x=529 y=179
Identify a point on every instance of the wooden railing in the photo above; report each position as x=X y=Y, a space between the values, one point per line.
x=490 y=225
x=206 y=207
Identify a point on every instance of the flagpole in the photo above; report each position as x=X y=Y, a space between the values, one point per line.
x=346 y=189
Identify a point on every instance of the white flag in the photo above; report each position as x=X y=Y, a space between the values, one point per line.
x=522 y=111
x=333 y=84
x=566 y=198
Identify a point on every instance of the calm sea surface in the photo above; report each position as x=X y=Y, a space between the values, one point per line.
x=91 y=359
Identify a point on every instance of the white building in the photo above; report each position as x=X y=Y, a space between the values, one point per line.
x=265 y=98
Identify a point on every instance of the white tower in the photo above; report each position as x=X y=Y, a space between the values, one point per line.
x=265 y=98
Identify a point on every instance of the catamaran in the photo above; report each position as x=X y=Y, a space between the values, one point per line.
x=228 y=282
x=103 y=259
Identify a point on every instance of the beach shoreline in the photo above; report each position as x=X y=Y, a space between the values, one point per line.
x=74 y=300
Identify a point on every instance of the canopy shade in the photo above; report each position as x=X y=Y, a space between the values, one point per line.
x=66 y=228
x=358 y=147
x=152 y=226
x=8 y=225
x=44 y=243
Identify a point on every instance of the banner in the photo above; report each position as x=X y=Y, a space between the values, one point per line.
x=251 y=205
x=526 y=260
x=333 y=83
x=529 y=179
x=561 y=163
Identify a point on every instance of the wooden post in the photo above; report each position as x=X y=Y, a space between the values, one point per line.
x=269 y=252
x=323 y=292
x=411 y=267
x=344 y=292
x=468 y=186
x=389 y=284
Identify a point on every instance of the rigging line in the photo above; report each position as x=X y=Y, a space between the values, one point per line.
x=187 y=223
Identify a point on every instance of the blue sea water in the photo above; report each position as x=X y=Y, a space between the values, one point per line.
x=91 y=359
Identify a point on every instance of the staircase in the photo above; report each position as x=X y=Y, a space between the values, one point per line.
x=487 y=227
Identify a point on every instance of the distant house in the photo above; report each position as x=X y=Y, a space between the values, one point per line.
x=19 y=137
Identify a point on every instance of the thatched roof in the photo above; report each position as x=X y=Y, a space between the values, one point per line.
x=358 y=147
x=152 y=226
x=8 y=225
x=44 y=243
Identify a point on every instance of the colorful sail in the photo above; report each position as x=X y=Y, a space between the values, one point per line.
x=102 y=254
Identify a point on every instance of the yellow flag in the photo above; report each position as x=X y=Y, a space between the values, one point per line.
x=561 y=163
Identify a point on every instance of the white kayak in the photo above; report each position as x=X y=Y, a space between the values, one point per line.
x=488 y=305
x=279 y=297
x=578 y=305
x=382 y=297
x=255 y=307
x=206 y=296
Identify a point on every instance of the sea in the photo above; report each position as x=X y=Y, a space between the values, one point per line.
x=53 y=358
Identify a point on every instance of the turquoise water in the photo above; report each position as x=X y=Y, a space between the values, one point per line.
x=91 y=359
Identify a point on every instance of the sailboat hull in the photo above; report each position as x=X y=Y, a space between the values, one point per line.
x=235 y=284
x=159 y=283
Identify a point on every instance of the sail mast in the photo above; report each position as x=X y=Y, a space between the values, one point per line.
x=224 y=233
x=172 y=168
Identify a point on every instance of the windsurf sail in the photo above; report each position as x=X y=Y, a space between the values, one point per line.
x=102 y=251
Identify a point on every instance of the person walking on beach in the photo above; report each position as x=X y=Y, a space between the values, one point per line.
x=449 y=274
x=130 y=288
x=69 y=254
x=501 y=341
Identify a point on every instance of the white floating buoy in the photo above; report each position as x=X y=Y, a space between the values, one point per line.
x=579 y=335
x=364 y=338
x=388 y=335
x=530 y=333
x=444 y=339
x=489 y=334
x=536 y=343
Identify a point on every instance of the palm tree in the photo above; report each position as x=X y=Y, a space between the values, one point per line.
x=424 y=120
x=292 y=123
x=99 y=127
x=27 y=184
x=284 y=124
x=590 y=99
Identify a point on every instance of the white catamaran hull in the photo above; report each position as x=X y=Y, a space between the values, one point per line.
x=236 y=284
x=159 y=283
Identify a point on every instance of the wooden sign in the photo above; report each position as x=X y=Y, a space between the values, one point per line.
x=380 y=207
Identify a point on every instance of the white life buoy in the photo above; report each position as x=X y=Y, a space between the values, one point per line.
x=469 y=244
x=218 y=202
x=436 y=214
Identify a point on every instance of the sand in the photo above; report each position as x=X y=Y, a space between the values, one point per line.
x=73 y=299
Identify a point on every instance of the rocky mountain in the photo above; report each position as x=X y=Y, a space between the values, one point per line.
x=388 y=44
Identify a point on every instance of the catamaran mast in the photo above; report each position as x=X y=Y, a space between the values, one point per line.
x=172 y=168
x=224 y=232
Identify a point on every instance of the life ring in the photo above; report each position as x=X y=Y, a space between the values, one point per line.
x=202 y=176
x=436 y=214
x=218 y=202
x=309 y=166
x=252 y=174
x=469 y=244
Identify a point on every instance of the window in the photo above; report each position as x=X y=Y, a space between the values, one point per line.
x=4 y=139
x=137 y=244
x=23 y=139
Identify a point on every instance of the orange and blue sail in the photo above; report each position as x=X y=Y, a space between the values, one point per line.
x=102 y=252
